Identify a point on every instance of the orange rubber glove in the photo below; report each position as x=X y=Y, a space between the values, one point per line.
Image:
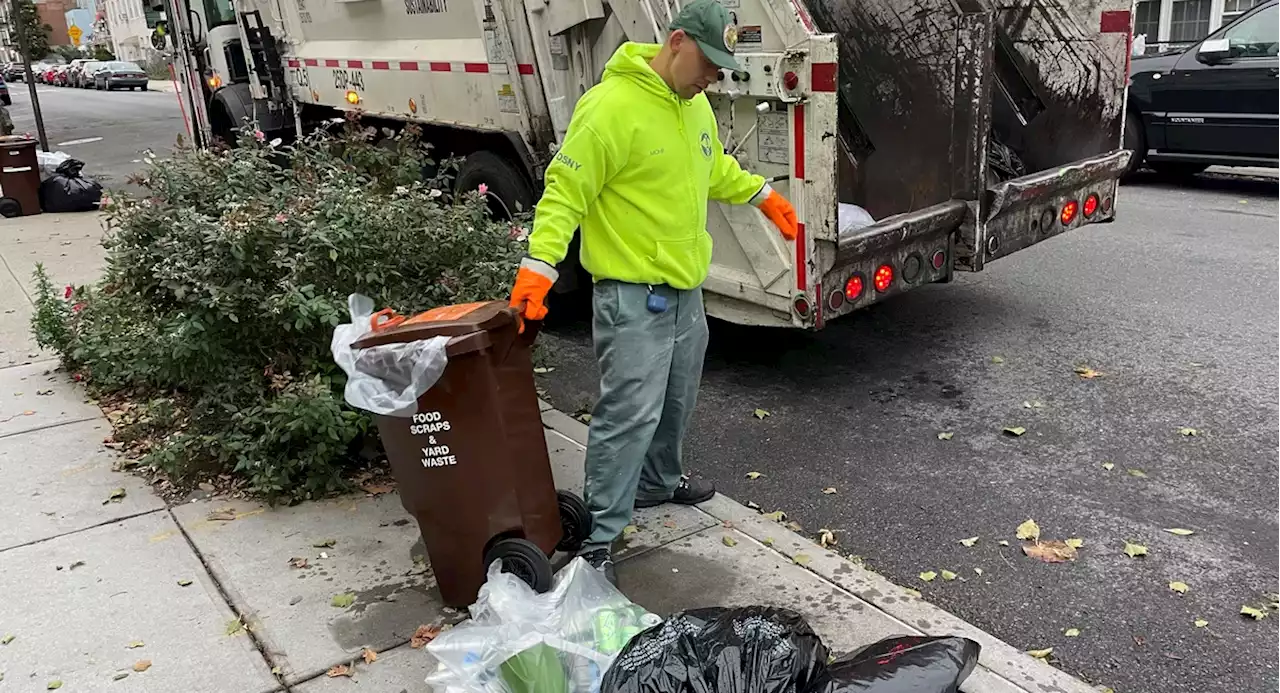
x=780 y=212
x=529 y=294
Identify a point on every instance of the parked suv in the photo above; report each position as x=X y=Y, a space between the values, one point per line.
x=1214 y=103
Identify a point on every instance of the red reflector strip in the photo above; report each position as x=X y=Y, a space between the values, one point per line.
x=356 y=64
x=823 y=77
x=381 y=65
x=439 y=67
x=1116 y=22
x=802 y=253
x=525 y=68
x=311 y=62
x=410 y=67
x=293 y=63
x=798 y=137
x=331 y=63
x=476 y=67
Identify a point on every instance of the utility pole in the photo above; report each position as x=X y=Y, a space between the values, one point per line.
x=21 y=30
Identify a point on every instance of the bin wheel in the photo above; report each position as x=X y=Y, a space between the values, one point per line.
x=523 y=559
x=576 y=523
x=10 y=207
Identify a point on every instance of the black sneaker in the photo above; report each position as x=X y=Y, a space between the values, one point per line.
x=601 y=560
x=689 y=492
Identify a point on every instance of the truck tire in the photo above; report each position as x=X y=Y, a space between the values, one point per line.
x=1134 y=139
x=509 y=190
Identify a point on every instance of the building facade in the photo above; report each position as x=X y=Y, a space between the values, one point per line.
x=127 y=25
x=1170 y=24
x=54 y=13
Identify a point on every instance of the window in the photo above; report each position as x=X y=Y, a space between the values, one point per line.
x=1257 y=36
x=219 y=13
x=1190 y=20
x=1146 y=22
x=1231 y=9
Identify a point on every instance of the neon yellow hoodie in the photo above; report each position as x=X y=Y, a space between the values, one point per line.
x=635 y=171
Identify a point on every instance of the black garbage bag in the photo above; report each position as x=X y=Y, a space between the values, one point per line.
x=913 y=664
x=753 y=649
x=67 y=191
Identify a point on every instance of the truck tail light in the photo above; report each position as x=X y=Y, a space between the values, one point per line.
x=939 y=259
x=835 y=300
x=853 y=287
x=883 y=278
x=801 y=304
x=1069 y=211
x=214 y=81
x=1090 y=205
x=353 y=98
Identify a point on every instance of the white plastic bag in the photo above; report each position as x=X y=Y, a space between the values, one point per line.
x=48 y=162
x=577 y=628
x=386 y=379
x=852 y=217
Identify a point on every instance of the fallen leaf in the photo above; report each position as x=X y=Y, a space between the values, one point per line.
x=1200 y=623
x=977 y=571
x=29 y=412
x=1003 y=542
x=1138 y=473
x=1134 y=550
x=184 y=583
x=830 y=490
x=120 y=675
x=794 y=526
x=1074 y=543
x=1180 y=532
x=1050 y=551
x=969 y=542
x=768 y=541
x=7 y=639
x=997 y=359
x=142 y=665
x=339 y=670
x=135 y=644
x=826 y=538
x=754 y=475
x=928 y=576
x=728 y=540
x=777 y=516
x=325 y=544
x=1014 y=431
x=946 y=435
x=53 y=685
x=669 y=524
x=760 y=413
x=542 y=369
x=221 y=515
x=377 y=489
x=1028 y=530
x=800 y=559
x=1255 y=612
x=1087 y=373
x=629 y=530
x=342 y=601
x=1179 y=587
x=423 y=635
x=44 y=393
x=77 y=564
x=1108 y=466
x=1041 y=654
x=116 y=496
x=914 y=593
x=369 y=655
x=1188 y=432
x=298 y=562
x=234 y=627
x=948 y=575
x=584 y=418
x=1071 y=632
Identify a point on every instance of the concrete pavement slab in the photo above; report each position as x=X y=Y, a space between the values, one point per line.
x=36 y=396
x=16 y=344
x=401 y=670
x=374 y=542
x=69 y=245
x=59 y=480
x=117 y=586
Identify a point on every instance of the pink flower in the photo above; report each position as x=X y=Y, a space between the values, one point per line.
x=106 y=200
x=259 y=135
x=77 y=307
x=67 y=293
x=281 y=218
x=482 y=189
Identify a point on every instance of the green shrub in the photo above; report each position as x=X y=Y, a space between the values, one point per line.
x=226 y=277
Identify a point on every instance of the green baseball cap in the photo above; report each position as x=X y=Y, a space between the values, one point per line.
x=708 y=23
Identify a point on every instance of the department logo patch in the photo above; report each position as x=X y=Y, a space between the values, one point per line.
x=730 y=37
x=705 y=139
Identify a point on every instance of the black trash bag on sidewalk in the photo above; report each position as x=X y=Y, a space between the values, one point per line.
x=759 y=649
x=67 y=191
x=752 y=649
x=911 y=664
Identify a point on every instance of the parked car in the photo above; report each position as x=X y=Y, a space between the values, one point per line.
x=49 y=74
x=4 y=93
x=84 y=77
x=120 y=74
x=60 y=75
x=1214 y=103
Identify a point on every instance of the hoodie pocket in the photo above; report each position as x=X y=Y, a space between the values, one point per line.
x=687 y=259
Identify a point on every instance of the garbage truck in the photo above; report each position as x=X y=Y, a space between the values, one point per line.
x=916 y=138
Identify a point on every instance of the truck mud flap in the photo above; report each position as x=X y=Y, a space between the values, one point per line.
x=1024 y=211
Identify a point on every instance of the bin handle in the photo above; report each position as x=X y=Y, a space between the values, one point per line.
x=376 y=323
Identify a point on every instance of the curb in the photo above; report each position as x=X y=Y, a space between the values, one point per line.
x=1001 y=664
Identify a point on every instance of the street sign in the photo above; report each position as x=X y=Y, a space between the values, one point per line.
x=74 y=33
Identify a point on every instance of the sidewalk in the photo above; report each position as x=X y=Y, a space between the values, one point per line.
x=100 y=581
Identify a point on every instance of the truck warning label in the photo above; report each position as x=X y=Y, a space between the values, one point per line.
x=772 y=138
x=750 y=34
x=426 y=6
x=431 y=427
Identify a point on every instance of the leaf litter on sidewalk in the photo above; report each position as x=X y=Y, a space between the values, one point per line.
x=1051 y=551
x=1028 y=530
x=423 y=635
x=969 y=542
x=1133 y=550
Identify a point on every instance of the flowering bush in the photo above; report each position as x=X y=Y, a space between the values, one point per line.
x=225 y=279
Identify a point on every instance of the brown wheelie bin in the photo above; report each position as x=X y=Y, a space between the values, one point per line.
x=472 y=462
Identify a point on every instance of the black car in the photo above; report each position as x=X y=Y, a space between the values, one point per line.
x=1214 y=103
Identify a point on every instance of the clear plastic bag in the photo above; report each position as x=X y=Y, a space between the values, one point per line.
x=852 y=217
x=519 y=641
x=386 y=379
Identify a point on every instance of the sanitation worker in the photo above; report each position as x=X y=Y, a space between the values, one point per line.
x=640 y=160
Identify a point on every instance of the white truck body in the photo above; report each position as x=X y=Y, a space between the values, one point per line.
x=829 y=118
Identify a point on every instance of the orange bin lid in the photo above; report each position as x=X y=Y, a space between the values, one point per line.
x=457 y=321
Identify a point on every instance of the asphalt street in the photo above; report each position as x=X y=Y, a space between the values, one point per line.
x=106 y=130
x=1175 y=304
